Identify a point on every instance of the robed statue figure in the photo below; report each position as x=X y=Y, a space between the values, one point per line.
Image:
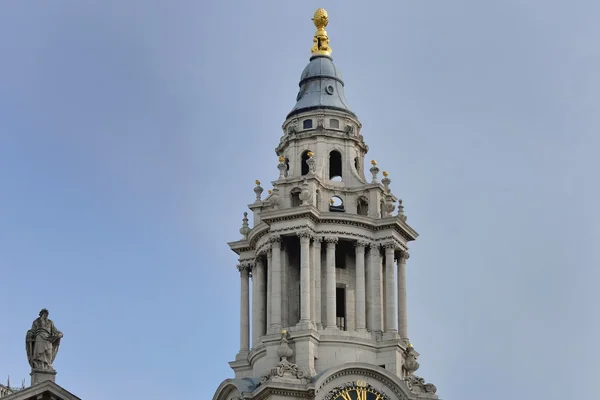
x=42 y=342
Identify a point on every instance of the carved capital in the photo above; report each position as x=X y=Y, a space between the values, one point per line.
x=402 y=256
x=275 y=239
x=361 y=244
x=305 y=234
x=331 y=240
x=389 y=245
x=373 y=245
x=244 y=268
x=317 y=240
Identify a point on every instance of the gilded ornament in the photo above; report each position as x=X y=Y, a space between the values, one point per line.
x=281 y=159
x=321 y=40
x=373 y=162
x=385 y=173
x=310 y=154
x=257 y=182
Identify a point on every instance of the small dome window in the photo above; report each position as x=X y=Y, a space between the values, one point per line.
x=307 y=124
x=334 y=123
x=336 y=204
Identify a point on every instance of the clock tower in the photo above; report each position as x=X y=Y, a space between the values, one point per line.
x=325 y=260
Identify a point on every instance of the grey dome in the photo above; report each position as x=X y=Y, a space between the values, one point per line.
x=321 y=87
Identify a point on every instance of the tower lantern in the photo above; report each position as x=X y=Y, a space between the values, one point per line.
x=327 y=258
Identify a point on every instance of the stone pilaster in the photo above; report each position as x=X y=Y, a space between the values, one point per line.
x=269 y=287
x=244 y=269
x=360 y=292
x=373 y=270
x=317 y=275
x=402 y=312
x=305 y=307
x=258 y=301
x=330 y=321
x=390 y=289
x=276 y=291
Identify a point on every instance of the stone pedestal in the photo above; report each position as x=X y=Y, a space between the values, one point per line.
x=42 y=375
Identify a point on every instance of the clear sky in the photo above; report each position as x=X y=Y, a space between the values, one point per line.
x=131 y=133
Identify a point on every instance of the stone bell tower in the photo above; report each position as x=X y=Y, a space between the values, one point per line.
x=327 y=259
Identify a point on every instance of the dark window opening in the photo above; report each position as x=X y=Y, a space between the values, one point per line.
x=340 y=308
x=336 y=204
x=295 y=197
x=362 y=206
x=304 y=167
x=335 y=166
x=334 y=124
x=343 y=250
x=287 y=165
x=356 y=163
x=307 y=123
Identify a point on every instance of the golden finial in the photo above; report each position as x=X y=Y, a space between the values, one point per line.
x=283 y=331
x=321 y=41
x=310 y=154
x=270 y=191
x=281 y=159
x=373 y=162
x=331 y=201
x=385 y=173
x=257 y=182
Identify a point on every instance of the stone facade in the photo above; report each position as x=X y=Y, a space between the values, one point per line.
x=327 y=256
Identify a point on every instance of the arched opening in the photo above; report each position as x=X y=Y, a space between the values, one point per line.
x=287 y=165
x=381 y=208
x=362 y=206
x=307 y=124
x=336 y=204
x=295 y=197
x=335 y=166
x=334 y=124
x=304 y=167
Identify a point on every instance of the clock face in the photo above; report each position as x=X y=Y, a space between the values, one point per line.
x=359 y=391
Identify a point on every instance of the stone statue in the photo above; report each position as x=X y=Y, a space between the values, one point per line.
x=42 y=342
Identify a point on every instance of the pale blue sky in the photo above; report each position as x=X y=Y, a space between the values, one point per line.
x=131 y=133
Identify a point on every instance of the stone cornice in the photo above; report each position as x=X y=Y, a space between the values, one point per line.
x=240 y=246
x=315 y=133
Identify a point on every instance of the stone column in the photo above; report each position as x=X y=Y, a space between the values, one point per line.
x=360 y=286
x=330 y=322
x=317 y=274
x=304 y=277
x=244 y=307
x=402 y=314
x=258 y=301
x=374 y=289
x=269 y=287
x=391 y=316
x=276 y=285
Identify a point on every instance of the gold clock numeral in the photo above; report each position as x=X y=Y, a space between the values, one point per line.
x=361 y=394
x=346 y=396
